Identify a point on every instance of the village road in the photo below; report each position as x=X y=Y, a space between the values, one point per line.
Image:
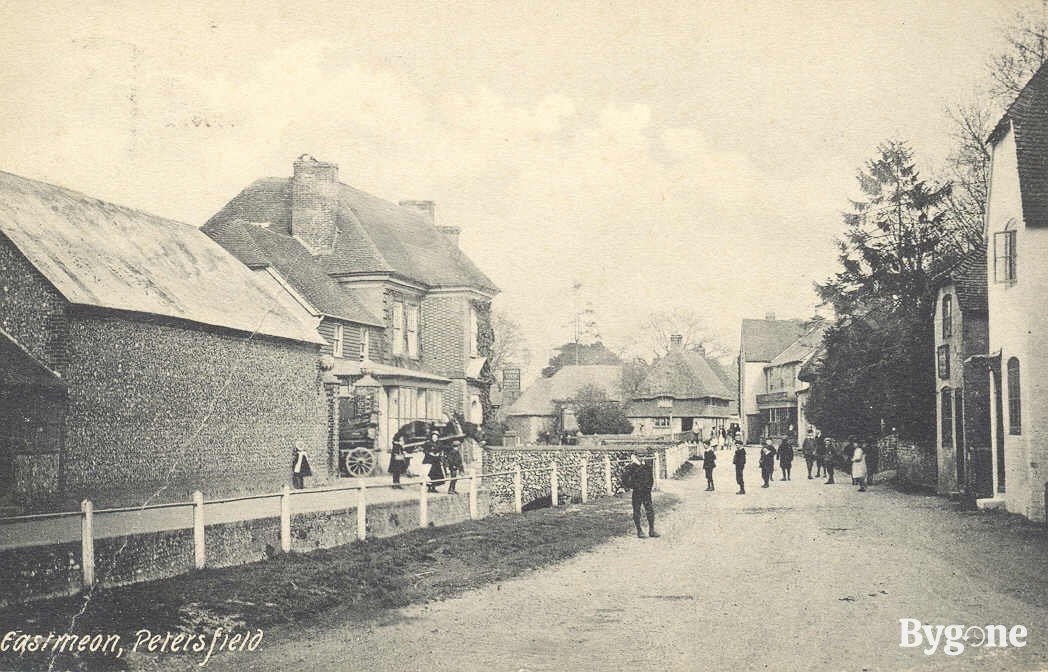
x=798 y=576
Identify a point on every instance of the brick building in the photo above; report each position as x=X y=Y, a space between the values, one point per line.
x=390 y=278
x=961 y=387
x=140 y=359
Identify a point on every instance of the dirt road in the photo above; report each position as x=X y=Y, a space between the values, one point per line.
x=801 y=575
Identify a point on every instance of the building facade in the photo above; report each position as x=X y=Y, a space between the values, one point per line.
x=783 y=401
x=961 y=397
x=1017 y=282
x=396 y=299
x=140 y=360
x=760 y=343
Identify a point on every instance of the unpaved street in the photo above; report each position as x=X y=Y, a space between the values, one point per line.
x=798 y=576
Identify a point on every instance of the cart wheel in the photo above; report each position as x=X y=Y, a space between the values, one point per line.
x=360 y=462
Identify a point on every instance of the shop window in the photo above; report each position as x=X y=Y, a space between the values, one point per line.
x=662 y=422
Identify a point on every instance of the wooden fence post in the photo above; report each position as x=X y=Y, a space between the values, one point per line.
x=87 y=541
x=518 y=490
x=199 y=552
x=362 y=512
x=423 y=503
x=554 y=485
x=285 y=519
x=584 y=479
x=607 y=474
x=474 y=486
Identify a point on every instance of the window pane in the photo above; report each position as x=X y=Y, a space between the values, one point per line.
x=946 y=405
x=398 y=328
x=412 y=330
x=1014 y=398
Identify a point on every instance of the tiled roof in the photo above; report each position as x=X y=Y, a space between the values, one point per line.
x=100 y=254
x=683 y=374
x=800 y=349
x=763 y=340
x=375 y=236
x=259 y=245
x=688 y=408
x=969 y=280
x=1028 y=115
x=539 y=397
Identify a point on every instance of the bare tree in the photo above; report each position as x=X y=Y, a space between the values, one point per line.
x=1026 y=49
x=968 y=170
x=693 y=328
x=509 y=348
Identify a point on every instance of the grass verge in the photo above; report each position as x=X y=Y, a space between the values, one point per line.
x=343 y=584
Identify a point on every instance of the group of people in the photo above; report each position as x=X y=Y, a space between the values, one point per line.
x=816 y=452
x=445 y=463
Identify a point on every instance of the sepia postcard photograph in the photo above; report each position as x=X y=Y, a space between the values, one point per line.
x=523 y=335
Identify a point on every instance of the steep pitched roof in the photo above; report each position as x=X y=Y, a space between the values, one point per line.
x=258 y=245
x=763 y=340
x=802 y=348
x=375 y=236
x=100 y=254
x=1028 y=117
x=539 y=397
x=683 y=374
x=969 y=280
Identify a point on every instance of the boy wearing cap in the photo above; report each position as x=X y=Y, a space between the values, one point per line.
x=637 y=476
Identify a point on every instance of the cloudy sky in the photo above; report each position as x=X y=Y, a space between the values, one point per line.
x=663 y=154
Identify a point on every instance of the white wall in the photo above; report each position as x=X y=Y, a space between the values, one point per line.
x=1017 y=327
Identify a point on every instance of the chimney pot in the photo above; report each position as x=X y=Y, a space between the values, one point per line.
x=676 y=341
x=307 y=167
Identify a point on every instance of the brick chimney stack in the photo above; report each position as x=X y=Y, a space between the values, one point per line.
x=314 y=204
x=428 y=209
x=676 y=342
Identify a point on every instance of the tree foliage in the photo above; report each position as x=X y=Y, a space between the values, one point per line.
x=596 y=414
x=878 y=360
x=571 y=354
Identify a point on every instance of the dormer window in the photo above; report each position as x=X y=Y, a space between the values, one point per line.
x=1004 y=255
x=947 y=316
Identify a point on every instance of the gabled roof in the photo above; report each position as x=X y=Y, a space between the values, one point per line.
x=683 y=374
x=802 y=348
x=1028 y=117
x=969 y=280
x=100 y=254
x=763 y=340
x=540 y=396
x=375 y=236
x=259 y=246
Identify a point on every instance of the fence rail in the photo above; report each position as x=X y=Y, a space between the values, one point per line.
x=88 y=525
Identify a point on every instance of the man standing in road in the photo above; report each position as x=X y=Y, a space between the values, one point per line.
x=809 y=449
x=820 y=455
x=637 y=476
x=739 y=460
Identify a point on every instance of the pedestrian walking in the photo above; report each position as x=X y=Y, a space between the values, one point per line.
x=709 y=463
x=808 y=449
x=820 y=454
x=739 y=460
x=829 y=460
x=453 y=463
x=859 y=467
x=767 y=462
x=434 y=457
x=398 y=464
x=785 y=458
x=638 y=477
x=299 y=466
